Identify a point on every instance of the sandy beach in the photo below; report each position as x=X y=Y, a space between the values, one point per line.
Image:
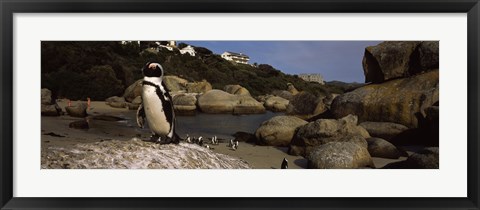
x=57 y=133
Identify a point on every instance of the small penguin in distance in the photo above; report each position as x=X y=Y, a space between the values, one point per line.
x=284 y=164
x=157 y=106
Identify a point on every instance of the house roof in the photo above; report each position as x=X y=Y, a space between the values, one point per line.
x=238 y=54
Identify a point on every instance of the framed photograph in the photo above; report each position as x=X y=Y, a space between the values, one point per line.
x=239 y=105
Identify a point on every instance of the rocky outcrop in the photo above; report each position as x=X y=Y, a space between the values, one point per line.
x=137 y=154
x=217 y=101
x=199 y=87
x=279 y=130
x=236 y=90
x=397 y=59
x=399 y=101
x=339 y=155
x=133 y=91
x=384 y=130
x=323 y=131
x=79 y=110
x=48 y=106
x=378 y=147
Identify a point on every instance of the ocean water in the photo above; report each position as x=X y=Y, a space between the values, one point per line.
x=220 y=125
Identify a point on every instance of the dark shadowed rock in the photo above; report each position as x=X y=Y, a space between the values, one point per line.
x=50 y=110
x=378 y=147
x=427 y=158
x=339 y=155
x=384 y=130
x=80 y=124
x=185 y=104
x=323 y=131
x=292 y=89
x=245 y=137
x=79 y=110
x=305 y=104
x=132 y=106
x=399 y=101
x=279 y=130
x=428 y=55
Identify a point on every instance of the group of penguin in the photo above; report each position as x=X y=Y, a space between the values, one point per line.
x=157 y=109
x=213 y=141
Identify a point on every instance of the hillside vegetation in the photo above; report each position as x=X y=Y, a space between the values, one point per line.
x=98 y=70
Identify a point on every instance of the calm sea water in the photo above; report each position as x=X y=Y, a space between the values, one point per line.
x=221 y=125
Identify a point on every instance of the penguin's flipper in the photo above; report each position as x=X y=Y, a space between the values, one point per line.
x=140 y=116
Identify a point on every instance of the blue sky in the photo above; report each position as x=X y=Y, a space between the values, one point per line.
x=335 y=60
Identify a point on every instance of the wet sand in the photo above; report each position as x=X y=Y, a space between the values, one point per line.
x=56 y=132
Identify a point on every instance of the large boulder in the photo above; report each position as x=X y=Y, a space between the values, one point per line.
x=279 y=130
x=217 y=101
x=276 y=103
x=399 y=101
x=387 y=60
x=133 y=91
x=323 y=131
x=305 y=104
x=378 y=147
x=199 y=87
x=137 y=154
x=185 y=104
x=339 y=155
x=48 y=106
x=175 y=83
x=79 y=110
x=384 y=130
x=236 y=90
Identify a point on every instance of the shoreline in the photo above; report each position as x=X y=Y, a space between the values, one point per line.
x=56 y=133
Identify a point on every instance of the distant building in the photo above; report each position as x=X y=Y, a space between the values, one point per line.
x=312 y=78
x=188 y=49
x=236 y=57
x=169 y=45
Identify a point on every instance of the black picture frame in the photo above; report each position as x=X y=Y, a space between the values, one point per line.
x=9 y=7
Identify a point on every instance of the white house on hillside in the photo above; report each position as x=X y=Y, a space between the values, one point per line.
x=169 y=45
x=236 y=57
x=188 y=49
x=312 y=78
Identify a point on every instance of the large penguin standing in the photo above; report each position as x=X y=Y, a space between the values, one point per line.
x=157 y=106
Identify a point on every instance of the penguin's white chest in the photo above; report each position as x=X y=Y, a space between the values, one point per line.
x=154 y=111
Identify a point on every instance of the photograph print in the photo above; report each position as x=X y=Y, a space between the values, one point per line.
x=180 y=104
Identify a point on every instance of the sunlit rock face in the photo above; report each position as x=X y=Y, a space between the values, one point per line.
x=137 y=154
